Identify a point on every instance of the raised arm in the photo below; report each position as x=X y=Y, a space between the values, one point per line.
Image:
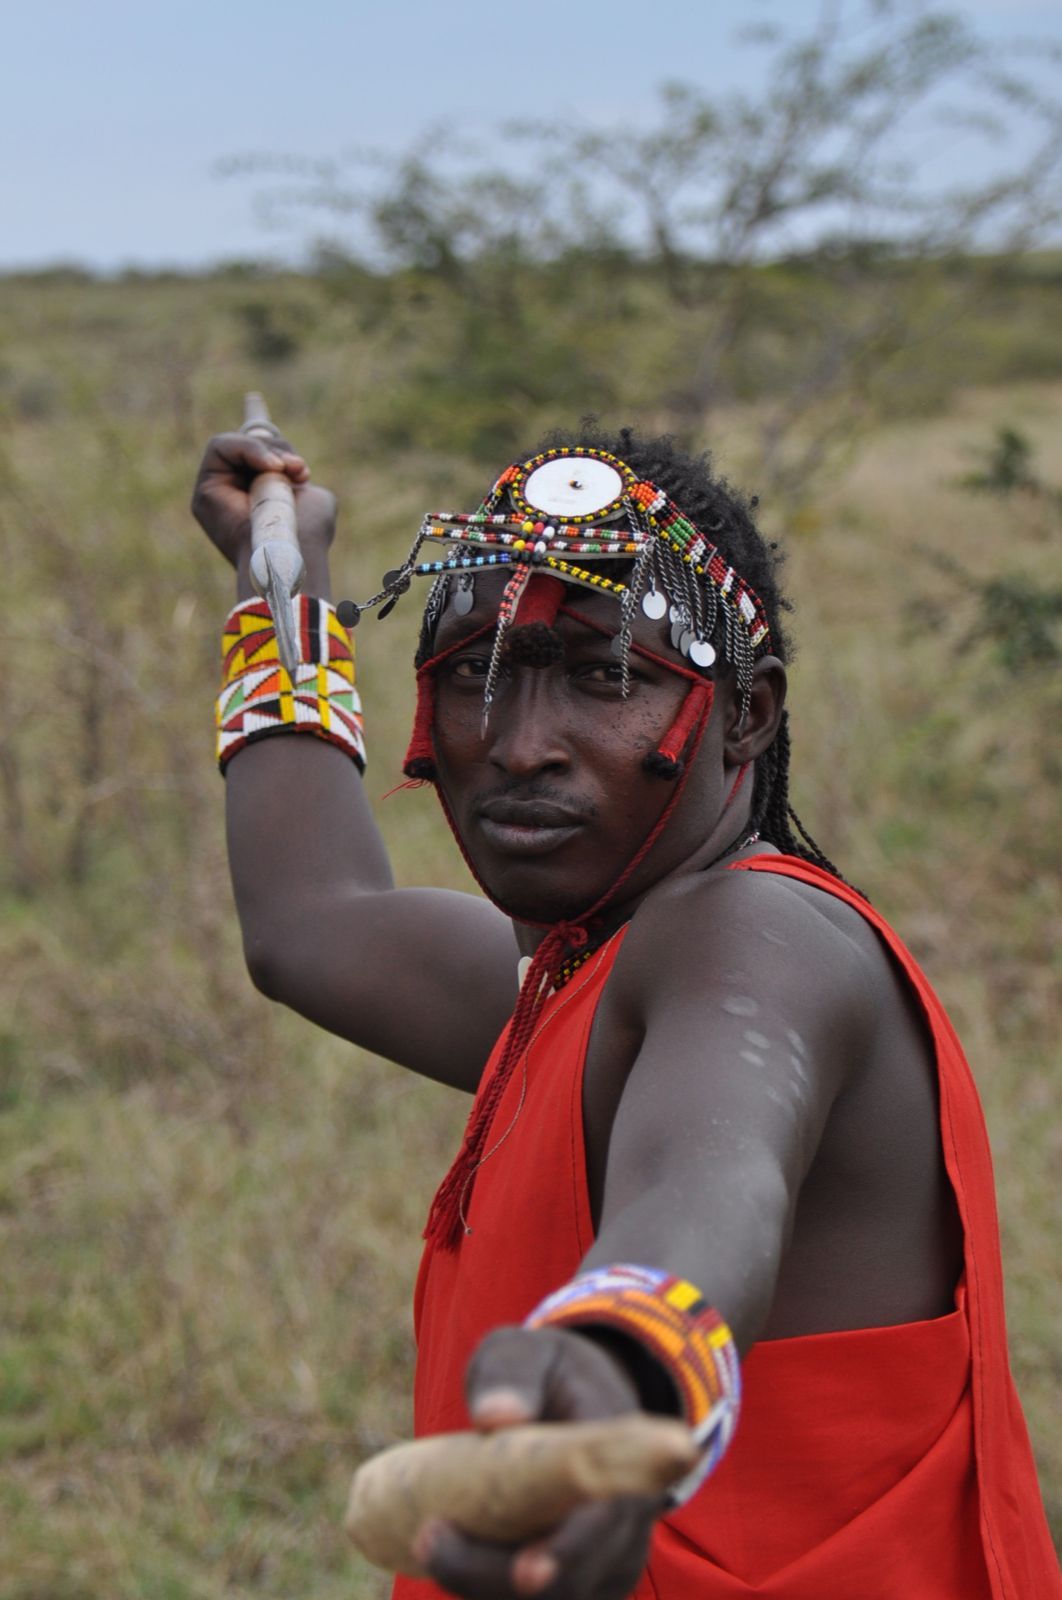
x=423 y=976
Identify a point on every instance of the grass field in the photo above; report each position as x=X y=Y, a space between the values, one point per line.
x=210 y=1212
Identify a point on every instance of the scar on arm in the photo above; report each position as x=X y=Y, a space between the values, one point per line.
x=741 y=1005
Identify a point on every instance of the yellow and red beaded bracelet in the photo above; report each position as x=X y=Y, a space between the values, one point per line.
x=673 y=1323
x=258 y=698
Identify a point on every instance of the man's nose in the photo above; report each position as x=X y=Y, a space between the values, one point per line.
x=524 y=731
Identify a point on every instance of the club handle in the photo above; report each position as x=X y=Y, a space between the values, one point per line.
x=510 y=1485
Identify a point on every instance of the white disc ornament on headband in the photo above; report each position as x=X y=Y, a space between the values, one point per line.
x=573 y=486
x=702 y=654
x=654 y=604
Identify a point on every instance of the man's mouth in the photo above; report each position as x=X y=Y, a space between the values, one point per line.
x=527 y=827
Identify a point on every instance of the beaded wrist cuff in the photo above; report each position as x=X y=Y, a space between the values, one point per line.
x=259 y=699
x=672 y=1322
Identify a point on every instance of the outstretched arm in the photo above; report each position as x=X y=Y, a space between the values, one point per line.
x=422 y=976
x=715 y=1127
x=741 y=1060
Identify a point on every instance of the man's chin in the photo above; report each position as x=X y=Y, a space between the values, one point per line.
x=527 y=895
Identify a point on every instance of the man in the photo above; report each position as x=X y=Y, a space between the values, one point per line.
x=727 y=1125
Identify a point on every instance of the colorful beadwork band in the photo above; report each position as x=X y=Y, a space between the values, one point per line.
x=566 y=512
x=259 y=699
x=671 y=1320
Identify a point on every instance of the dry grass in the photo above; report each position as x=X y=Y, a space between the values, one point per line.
x=209 y=1213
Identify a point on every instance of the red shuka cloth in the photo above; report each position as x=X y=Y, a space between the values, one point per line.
x=876 y=1464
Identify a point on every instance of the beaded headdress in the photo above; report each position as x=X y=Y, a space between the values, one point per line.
x=566 y=514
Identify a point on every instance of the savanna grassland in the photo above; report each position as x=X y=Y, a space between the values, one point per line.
x=209 y=1211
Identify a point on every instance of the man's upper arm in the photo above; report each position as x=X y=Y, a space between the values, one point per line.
x=745 y=1044
x=425 y=977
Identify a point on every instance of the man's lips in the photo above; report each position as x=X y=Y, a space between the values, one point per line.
x=528 y=827
x=530 y=813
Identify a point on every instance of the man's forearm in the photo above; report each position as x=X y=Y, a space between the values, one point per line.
x=298 y=821
x=300 y=831
x=726 y=1235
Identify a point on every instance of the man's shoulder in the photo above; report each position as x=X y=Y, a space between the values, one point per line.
x=713 y=904
x=774 y=932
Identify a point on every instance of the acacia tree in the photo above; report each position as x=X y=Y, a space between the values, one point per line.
x=798 y=235
x=825 y=168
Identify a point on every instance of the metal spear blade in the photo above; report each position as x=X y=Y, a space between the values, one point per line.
x=276 y=569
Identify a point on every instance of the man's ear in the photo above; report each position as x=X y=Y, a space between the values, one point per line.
x=745 y=740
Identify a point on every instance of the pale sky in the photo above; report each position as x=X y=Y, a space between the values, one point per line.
x=114 y=114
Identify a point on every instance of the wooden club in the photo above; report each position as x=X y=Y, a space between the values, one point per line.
x=508 y=1486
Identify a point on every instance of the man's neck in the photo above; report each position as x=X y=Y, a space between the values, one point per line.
x=717 y=850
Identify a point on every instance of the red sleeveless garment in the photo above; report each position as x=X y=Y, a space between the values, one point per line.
x=879 y=1464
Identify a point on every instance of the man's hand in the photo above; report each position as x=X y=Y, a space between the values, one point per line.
x=220 y=503
x=547 y=1375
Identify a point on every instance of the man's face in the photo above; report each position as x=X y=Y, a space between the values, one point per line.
x=551 y=799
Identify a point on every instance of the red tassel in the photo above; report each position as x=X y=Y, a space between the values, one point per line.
x=420 y=757
x=666 y=759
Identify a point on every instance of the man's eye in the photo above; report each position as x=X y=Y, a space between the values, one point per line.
x=609 y=672
x=475 y=667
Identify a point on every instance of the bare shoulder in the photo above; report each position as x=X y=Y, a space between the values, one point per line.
x=755 y=933
x=725 y=969
x=737 y=1003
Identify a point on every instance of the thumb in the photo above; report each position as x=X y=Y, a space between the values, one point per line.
x=507 y=1377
